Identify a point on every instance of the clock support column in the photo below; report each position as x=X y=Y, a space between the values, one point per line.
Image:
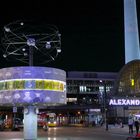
x=30 y=123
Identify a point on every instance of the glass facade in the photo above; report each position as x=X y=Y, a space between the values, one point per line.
x=128 y=82
x=88 y=90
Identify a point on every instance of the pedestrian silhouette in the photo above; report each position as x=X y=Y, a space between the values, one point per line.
x=130 y=124
x=137 y=125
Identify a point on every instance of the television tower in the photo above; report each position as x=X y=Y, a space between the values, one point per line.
x=132 y=49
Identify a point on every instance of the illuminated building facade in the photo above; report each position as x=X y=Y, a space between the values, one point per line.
x=127 y=91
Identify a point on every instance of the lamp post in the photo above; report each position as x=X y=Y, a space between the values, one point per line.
x=105 y=107
x=105 y=110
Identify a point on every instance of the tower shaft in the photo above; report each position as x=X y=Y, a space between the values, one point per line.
x=132 y=50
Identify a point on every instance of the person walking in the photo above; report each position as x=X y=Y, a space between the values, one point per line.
x=137 y=125
x=130 y=124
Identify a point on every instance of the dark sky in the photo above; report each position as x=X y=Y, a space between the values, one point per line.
x=92 y=31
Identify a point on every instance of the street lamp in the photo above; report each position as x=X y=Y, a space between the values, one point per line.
x=105 y=106
x=105 y=109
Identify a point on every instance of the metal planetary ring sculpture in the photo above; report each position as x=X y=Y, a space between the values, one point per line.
x=24 y=40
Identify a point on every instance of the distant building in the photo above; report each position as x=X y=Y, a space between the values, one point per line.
x=88 y=91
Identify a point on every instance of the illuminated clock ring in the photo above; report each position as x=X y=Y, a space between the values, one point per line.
x=30 y=85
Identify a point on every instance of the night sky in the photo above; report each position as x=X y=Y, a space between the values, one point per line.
x=92 y=32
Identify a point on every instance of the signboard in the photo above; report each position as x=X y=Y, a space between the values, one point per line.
x=125 y=102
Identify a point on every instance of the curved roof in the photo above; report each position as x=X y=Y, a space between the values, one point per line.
x=128 y=81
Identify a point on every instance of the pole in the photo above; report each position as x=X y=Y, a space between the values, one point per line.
x=30 y=123
x=30 y=55
x=105 y=107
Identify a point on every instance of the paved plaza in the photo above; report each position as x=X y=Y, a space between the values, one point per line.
x=72 y=133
